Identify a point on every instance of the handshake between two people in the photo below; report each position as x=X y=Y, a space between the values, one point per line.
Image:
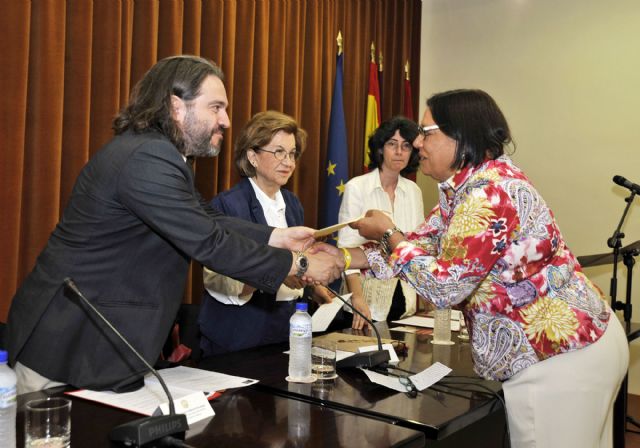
x=324 y=262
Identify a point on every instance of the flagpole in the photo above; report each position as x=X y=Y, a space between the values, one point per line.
x=380 y=70
x=407 y=109
x=336 y=168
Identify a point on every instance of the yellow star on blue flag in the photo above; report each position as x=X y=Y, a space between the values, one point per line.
x=331 y=169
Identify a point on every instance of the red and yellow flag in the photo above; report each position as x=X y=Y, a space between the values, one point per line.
x=373 y=107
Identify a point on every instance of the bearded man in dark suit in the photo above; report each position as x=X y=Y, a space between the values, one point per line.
x=132 y=224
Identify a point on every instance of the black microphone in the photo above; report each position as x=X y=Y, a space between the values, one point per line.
x=147 y=429
x=635 y=188
x=367 y=359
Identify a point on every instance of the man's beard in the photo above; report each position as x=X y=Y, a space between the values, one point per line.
x=196 y=137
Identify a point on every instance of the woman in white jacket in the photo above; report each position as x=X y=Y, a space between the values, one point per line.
x=392 y=155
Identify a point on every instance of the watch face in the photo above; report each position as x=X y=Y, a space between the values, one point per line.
x=302 y=264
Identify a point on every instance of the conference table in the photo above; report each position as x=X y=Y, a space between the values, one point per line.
x=244 y=418
x=349 y=411
x=465 y=412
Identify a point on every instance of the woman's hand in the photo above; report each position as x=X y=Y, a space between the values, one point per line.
x=361 y=305
x=294 y=282
x=373 y=225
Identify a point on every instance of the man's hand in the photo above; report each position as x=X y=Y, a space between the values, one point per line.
x=324 y=267
x=373 y=225
x=296 y=239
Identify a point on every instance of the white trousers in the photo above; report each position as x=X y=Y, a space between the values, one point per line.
x=567 y=401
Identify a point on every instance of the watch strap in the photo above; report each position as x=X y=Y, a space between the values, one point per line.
x=384 y=241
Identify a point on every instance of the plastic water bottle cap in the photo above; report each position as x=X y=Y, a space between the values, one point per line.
x=4 y=355
x=301 y=306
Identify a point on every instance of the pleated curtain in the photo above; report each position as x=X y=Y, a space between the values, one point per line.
x=67 y=67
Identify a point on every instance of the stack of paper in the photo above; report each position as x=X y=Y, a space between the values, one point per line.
x=190 y=389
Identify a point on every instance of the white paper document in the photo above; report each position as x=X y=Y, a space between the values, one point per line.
x=405 y=329
x=143 y=401
x=392 y=382
x=422 y=380
x=325 y=314
x=189 y=388
x=430 y=376
x=426 y=322
x=198 y=379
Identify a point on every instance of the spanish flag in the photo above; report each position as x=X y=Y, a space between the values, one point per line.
x=373 y=107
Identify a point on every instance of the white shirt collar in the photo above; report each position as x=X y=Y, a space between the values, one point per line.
x=274 y=209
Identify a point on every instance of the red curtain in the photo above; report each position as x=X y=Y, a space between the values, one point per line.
x=67 y=66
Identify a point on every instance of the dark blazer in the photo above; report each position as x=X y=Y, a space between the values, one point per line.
x=133 y=223
x=226 y=328
x=241 y=201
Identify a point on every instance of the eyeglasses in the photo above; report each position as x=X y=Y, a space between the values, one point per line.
x=394 y=145
x=412 y=390
x=427 y=130
x=281 y=154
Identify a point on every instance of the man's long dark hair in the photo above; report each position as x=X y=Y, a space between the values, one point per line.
x=149 y=107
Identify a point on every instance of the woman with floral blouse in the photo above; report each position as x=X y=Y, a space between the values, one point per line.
x=492 y=247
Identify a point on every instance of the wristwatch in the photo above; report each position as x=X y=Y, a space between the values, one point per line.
x=384 y=241
x=302 y=264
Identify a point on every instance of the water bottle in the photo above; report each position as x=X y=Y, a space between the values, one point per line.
x=300 y=343
x=7 y=403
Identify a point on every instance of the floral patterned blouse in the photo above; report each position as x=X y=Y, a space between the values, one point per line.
x=493 y=244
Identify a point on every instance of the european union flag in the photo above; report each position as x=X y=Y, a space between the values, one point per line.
x=336 y=167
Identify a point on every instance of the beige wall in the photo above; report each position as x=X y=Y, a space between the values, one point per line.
x=567 y=76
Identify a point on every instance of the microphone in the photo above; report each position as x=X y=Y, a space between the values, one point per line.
x=367 y=359
x=635 y=188
x=147 y=429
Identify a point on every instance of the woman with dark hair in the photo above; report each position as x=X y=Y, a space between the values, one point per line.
x=493 y=248
x=392 y=155
x=234 y=315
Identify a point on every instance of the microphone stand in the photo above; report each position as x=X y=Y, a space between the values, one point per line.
x=615 y=242
x=366 y=359
x=147 y=429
